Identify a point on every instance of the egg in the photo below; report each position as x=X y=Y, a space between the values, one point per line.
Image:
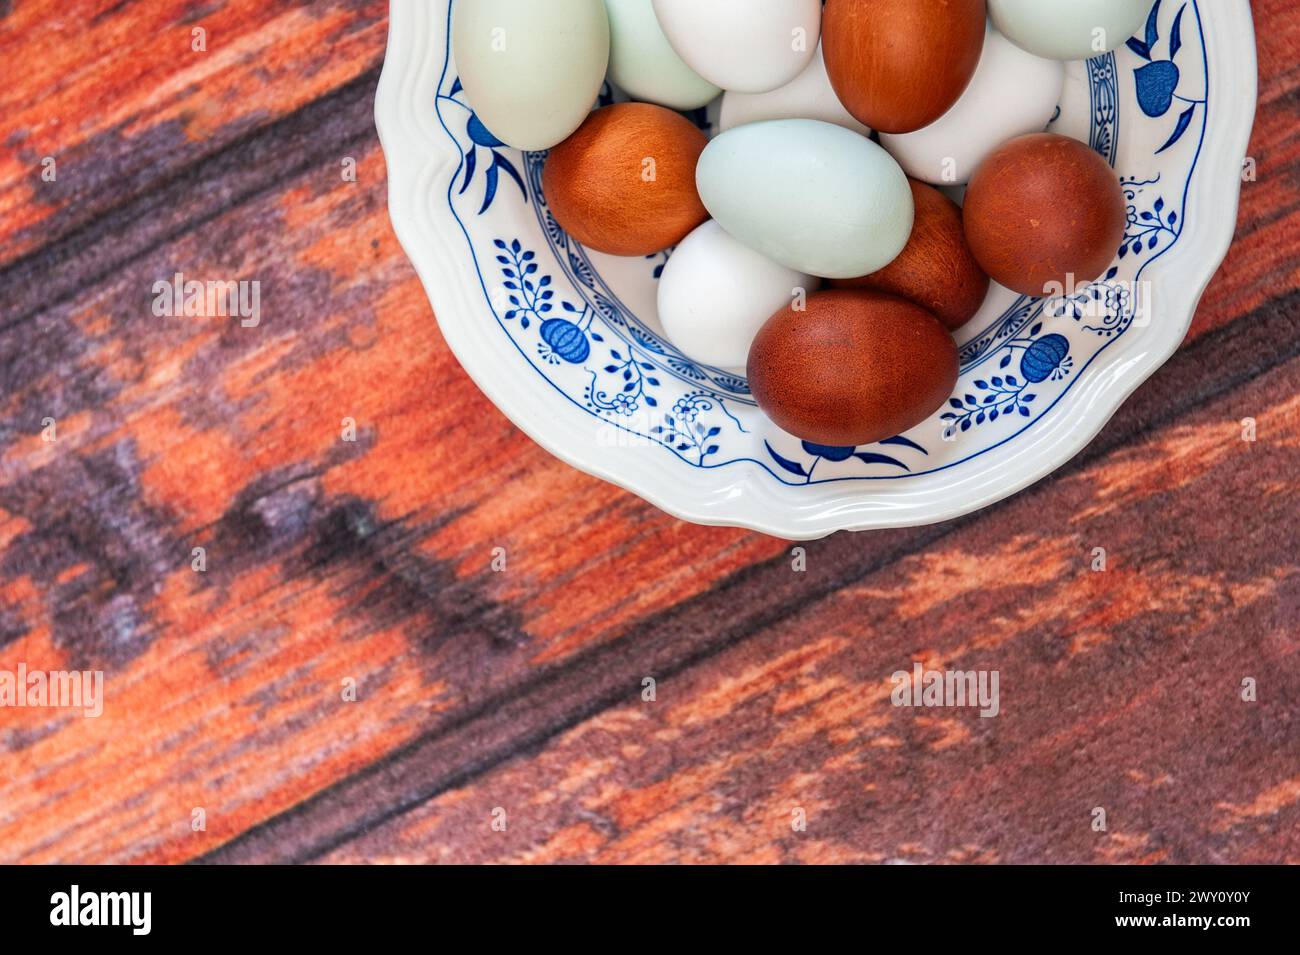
x=898 y=65
x=808 y=96
x=1044 y=213
x=1012 y=93
x=751 y=46
x=854 y=368
x=624 y=183
x=936 y=270
x=643 y=63
x=531 y=71
x=812 y=196
x=715 y=294
x=1069 y=29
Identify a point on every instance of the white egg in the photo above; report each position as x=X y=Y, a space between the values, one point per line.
x=751 y=46
x=531 y=71
x=1069 y=29
x=808 y=96
x=643 y=63
x=1012 y=93
x=716 y=293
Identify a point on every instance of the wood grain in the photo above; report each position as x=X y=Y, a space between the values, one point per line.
x=370 y=560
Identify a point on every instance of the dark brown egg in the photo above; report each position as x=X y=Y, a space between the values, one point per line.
x=624 y=183
x=936 y=270
x=1044 y=213
x=852 y=368
x=898 y=65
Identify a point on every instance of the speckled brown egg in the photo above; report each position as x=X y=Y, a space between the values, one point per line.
x=852 y=368
x=898 y=65
x=624 y=183
x=1044 y=213
x=936 y=270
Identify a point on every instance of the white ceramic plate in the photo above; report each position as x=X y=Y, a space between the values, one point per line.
x=567 y=344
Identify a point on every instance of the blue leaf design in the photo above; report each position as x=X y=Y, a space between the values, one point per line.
x=791 y=466
x=867 y=457
x=512 y=172
x=1153 y=25
x=1176 y=34
x=1184 y=121
x=480 y=133
x=1140 y=48
x=904 y=442
x=471 y=164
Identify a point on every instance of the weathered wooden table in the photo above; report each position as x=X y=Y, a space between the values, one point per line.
x=515 y=697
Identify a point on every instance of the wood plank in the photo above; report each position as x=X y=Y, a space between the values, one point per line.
x=326 y=559
x=119 y=98
x=1118 y=689
x=762 y=598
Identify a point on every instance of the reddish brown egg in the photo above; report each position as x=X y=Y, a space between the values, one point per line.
x=852 y=368
x=624 y=183
x=936 y=270
x=898 y=65
x=1044 y=213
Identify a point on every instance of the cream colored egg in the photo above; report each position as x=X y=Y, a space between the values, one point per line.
x=531 y=70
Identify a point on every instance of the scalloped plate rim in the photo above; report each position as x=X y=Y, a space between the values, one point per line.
x=414 y=155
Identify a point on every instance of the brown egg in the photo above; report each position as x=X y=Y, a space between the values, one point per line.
x=898 y=65
x=853 y=368
x=936 y=270
x=624 y=183
x=1044 y=213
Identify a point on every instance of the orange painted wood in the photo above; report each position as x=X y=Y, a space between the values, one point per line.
x=1119 y=689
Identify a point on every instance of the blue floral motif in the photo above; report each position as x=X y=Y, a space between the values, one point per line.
x=837 y=454
x=685 y=430
x=1106 y=307
x=1045 y=358
x=532 y=297
x=1003 y=396
x=1146 y=228
x=1157 y=81
x=631 y=380
x=989 y=399
x=566 y=340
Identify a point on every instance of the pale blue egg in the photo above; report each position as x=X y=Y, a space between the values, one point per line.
x=643 y=63
x=812 y=196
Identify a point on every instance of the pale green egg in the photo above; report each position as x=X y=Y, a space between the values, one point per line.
x=812 y=196
x=1069 y=29
x=644 y=64
x=531 y=70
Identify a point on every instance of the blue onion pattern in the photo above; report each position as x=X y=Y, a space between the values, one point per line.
x=1044 y=357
